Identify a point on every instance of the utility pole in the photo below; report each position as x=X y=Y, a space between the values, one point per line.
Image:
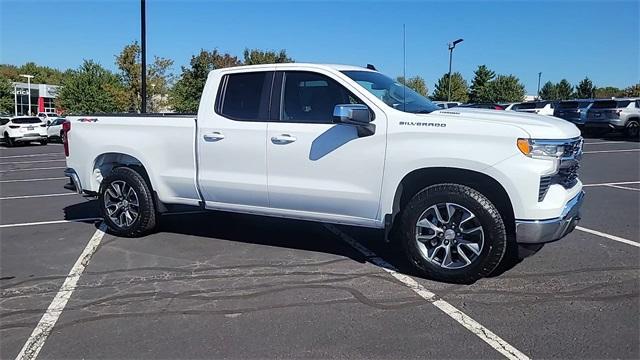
x=451 y=47
x=143 y=56
x=29 y=77
x=539 y=75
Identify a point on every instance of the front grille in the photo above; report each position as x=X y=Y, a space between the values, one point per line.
x=567 y=175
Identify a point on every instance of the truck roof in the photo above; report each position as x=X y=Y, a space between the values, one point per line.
x=337 y=67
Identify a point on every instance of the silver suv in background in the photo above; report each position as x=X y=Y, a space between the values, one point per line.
x=615 y=114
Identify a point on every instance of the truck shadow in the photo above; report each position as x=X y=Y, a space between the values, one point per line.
x=276 y=232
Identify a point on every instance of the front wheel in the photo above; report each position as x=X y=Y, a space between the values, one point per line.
x=126 y=203
x=453 y=233
x=44 y=142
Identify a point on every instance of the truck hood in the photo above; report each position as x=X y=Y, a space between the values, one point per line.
x=537 y=126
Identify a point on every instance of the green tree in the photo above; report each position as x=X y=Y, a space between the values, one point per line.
x=585 y=89
x=185 y=95
x=41 y=74
x=158 y=77
x=416 y=83
x=256 y=56
x=632 y=91
x=92 y=89
x=482 y=76
x=549 y=91
x=459 y=88
x=564 y=90
x=608 y=92
x=504 y=88
x=6 y=95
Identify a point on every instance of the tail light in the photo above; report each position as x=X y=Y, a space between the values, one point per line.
x=43 y=125
x=66 y=127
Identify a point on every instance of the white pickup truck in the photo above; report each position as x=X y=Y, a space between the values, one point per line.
x=344 y=145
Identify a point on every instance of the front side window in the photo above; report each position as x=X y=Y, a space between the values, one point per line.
x=392 y=92
x=242 y=96
x=310 y=97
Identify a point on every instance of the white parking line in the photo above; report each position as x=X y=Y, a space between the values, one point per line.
x=623 y=187
x=32 y=162
x=48 y=222
x=36 y=196
x=29 y=180
x=609 y=151
x=463 y=319
x=32 y=155
x=612 y=183
x=612 y=237
x=39 y=335
x=31 y=169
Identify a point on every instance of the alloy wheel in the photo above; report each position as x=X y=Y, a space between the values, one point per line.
x=121 y=203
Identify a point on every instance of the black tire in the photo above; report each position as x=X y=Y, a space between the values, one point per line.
x=8 y=141
x=632 y=130
x=495 y=236
x=147 y=217
x=61 y=136
x=44 y=142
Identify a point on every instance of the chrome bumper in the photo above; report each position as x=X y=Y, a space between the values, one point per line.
x=75 y=184
x=543 y=231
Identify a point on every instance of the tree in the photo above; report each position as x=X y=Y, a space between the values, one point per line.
x=416 y=83
x=6 y=95
x=185 y=95
x=504 y=88
x=608 y=92
x=459 y=88
x=585 y=89
x=564 y=90
x=92 y=89
x=632 y=91
x=255 y=57
x=549 y=91
x=482 y=77
x=158 y=77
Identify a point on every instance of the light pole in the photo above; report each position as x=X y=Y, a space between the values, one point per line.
x=451 y=47
x=29 y=77
x=539 y=75
x=15 y=98
x=143 y=55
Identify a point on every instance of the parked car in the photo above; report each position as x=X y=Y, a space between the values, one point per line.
x=47 y=117
x=536 y=107
x=572 y=110
x=484 y=106
x=54 y=129
x=615 y=114
x=447 y=104
x=340 y=144
x=23 y=129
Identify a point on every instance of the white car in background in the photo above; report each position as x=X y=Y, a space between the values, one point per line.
x=535 y=107
x=54 y=129
x=23 y=129
x=447 y=104
x=47 y=117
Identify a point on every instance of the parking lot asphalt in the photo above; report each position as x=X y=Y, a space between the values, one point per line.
x=220 y=285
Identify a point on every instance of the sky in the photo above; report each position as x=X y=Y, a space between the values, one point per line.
x=561 y=39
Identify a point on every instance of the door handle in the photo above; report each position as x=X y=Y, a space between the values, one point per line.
x=283 y=139
x=215 y=136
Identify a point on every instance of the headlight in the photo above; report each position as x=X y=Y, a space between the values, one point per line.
x=541 y=149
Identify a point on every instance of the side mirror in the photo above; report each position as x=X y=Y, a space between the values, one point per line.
x=357 y=115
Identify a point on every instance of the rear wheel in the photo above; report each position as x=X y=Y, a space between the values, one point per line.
x=44 y=142
x=453 y=233
x=126 y=203
x=632 y=130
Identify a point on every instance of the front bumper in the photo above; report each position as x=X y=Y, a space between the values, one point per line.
x=543 y=231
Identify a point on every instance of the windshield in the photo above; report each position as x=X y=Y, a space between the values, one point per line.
x=392 y=92
x=31 y=120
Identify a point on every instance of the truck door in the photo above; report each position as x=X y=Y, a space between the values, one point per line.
x=316 y=166
x=232 y=168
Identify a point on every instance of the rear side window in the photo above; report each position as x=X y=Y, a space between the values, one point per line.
x=623 y=104
x=4 y=121
x=568 y=105
x=244 y=96
x=524 y=106
x=31 y=120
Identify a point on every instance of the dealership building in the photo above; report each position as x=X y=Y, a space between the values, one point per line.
x=42 y=98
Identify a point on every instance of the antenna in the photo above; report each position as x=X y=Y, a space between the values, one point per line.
x=404 y=67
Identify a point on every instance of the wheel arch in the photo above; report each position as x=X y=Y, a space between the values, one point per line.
x=106 y=162
x=418 y=179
